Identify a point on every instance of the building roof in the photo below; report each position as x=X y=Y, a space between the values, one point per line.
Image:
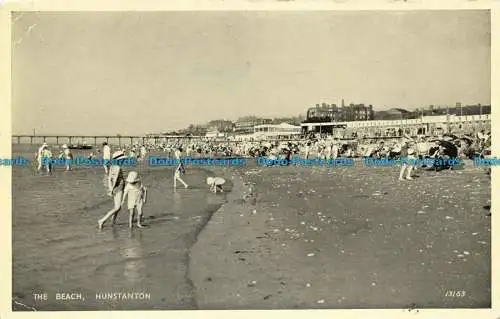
x=397 y=110
x=282 y=125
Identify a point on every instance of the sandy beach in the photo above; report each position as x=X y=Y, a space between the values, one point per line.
x=348 y=237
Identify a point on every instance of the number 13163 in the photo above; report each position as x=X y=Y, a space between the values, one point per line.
x=455 y=293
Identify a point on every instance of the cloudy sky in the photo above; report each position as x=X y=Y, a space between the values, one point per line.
x=131 y=73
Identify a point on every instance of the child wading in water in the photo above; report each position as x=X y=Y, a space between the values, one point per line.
x=136 y=193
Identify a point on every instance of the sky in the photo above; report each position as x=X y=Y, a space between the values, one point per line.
x=85 y=73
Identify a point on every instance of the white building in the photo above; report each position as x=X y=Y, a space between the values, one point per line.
x=430 y=125
x=273 y=130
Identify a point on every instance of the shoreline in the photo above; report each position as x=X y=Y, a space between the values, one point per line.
x=158 y=254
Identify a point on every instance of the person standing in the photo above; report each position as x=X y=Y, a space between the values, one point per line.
x=68 y=157
x=136 y=193
x=178 y=153
x=335 y=150
x=308 y=148
x=106 y=156
x=405 y=166
x=40 y=155
x=116 y=185
x=47 y=159
x=143 y=152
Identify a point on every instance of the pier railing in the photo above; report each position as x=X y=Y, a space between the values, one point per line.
x=75 y=139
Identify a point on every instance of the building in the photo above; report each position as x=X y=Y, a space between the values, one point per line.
x=277 y=130
x=425 y=125
x=393 y=114
x=223 y=126
x=333 y=113
x=246 y=126
x=323 y=111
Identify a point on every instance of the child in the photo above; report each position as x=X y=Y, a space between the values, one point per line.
x=47 y=159
x=136 y=193
x=216 y=184
x=405 y=166
x=68 y=157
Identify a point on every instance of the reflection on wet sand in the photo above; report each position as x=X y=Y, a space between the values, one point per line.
x=177 y=201
x=132 y=253
x=56 y=244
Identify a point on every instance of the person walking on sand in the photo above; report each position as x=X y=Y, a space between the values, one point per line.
x=106 y=156
x=116 y=185
x=177 y=175
x=137 y=194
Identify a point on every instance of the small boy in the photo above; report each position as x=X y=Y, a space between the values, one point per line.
x=68 y=157
x=137 y=194
x=216 y=184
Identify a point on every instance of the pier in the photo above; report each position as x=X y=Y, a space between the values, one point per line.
x=429 y=125
x=72 y=139
x=94 y=140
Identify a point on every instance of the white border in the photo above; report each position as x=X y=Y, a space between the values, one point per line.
x=255 y=5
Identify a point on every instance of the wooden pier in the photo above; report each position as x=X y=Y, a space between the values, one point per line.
x=94 y=140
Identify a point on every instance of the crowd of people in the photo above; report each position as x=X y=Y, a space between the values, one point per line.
x=315 y=146
x=447 y=146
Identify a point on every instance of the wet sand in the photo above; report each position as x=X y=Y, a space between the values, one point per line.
x=57 y=247
x=349 y=237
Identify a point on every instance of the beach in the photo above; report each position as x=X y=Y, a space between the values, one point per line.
x=284 y=237
x=57 y=247
x=347 y=237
